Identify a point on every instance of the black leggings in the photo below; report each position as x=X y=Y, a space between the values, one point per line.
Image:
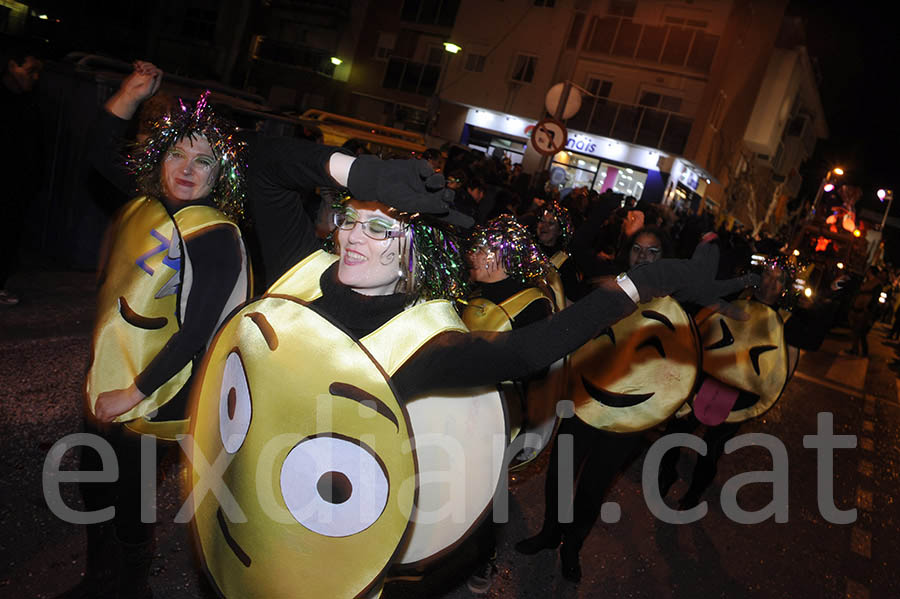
x=598 y=457
x=126 y=491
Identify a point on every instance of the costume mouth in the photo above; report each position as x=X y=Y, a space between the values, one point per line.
x=615 y=400
x=237 y=549
x=715 y=400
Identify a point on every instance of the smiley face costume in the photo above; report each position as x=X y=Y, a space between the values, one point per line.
x=429 y=360
x=172 y=274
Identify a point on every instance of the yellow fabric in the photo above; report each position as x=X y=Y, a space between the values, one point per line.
x=484 y=315
x=733 y=364
x=137 y=305
x=398 y=339
x=302 y=280
x=632 y=367
x=555 y=281
x=559 y=258
x=270 y=389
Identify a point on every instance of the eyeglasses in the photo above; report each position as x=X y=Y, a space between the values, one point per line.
x=375 y=228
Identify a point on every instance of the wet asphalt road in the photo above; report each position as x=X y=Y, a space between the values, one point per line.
x=44 y=345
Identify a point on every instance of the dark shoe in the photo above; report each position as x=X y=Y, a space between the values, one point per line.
x=571 y=563
x=539 y=542
x=481 y=580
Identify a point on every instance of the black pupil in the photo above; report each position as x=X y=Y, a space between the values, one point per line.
x=334 y=487
x=232 y=403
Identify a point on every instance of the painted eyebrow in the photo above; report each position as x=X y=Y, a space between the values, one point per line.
x=660 y=317
x=364 y=398
x=268 y=333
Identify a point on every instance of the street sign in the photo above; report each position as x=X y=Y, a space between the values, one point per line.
x=549 y=137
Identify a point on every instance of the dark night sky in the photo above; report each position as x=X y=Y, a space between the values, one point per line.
x=854 y=45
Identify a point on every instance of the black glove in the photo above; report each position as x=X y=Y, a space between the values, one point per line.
x=407 y=185
x=691 y=281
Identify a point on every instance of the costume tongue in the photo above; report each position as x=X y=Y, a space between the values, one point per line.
x=714 y=401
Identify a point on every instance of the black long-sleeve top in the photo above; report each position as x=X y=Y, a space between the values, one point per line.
x=215 y=256
x=281 y=168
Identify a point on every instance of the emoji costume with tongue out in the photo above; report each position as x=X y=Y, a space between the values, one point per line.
x=745 y=363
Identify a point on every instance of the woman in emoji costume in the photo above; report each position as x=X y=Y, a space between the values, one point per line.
x=746 y=367
x=511 y=274
x=382 y=300
x=627 y=379
x=176 y=266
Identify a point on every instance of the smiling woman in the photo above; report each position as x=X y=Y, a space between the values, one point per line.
x=175 y=267
x=386 y=296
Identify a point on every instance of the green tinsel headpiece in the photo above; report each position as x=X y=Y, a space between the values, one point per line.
x=228 y=193
x=518 y=253
x=435 y=265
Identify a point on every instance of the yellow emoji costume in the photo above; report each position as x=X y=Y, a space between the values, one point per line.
x=639 y=372
x=145 y=288
x=321 y=468
x=744 y=356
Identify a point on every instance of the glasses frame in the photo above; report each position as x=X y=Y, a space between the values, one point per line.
x=388 y=234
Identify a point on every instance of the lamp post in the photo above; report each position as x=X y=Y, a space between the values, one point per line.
x=434 y=105
x=826 y=181
x=882 y=194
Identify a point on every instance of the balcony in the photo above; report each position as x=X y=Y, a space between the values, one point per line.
x=650 y=127
x=294 y=55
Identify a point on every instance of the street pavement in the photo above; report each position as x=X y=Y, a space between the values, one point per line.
x=44 y=344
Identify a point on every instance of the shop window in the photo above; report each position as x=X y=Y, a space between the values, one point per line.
x=523 y=68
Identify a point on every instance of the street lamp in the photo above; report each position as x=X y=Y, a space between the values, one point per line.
x=826 y=186
x=434 y=105
x=882 y=194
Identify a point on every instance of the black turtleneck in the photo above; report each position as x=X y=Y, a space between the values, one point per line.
x=360 y=314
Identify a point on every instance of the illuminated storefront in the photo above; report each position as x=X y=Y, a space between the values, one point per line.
x=598 y=163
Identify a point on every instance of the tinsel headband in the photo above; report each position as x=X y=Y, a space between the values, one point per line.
x=561 y=214
x=515 y=247
x=228 y=193
x=435 y=266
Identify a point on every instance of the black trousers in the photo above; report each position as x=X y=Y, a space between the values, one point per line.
x=128 y=491
x=707 y=466
x=597 y=458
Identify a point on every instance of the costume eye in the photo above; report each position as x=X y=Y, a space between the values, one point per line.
x=655 y=343
x=379 y=227
x=756 y=352
x=333 y=486
x=726 y=340
x=235 y=407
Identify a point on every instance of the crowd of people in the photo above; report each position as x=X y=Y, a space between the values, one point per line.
x=247 y=262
